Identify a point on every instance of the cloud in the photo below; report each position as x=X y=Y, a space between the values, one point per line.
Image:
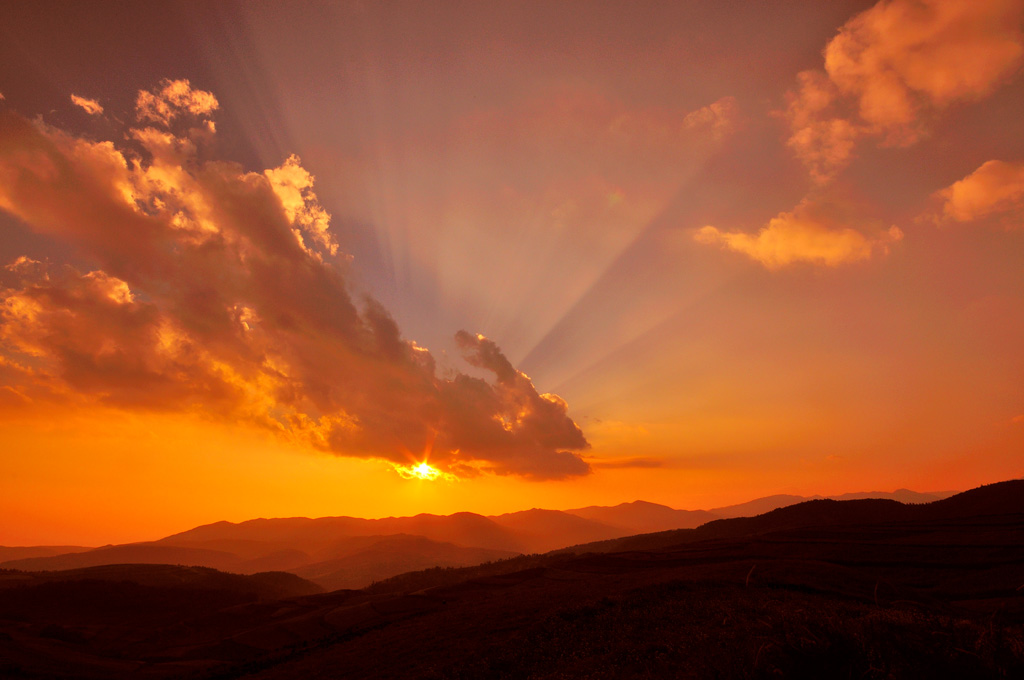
x=172 y=99
x=893 y=66
x=719 y=117
x=294 y=187
x=109 y=344
x=997 y=187
x=807 y=234
x=629 y=462
x=823 y=140
x=219 y=291
x=90 y=106
x=515 y=423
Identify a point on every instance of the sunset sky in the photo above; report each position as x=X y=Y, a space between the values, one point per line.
x=261 y=259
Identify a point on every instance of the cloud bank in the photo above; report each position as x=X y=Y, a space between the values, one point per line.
x=892 y=67
x=887 y=74
x=221 y=291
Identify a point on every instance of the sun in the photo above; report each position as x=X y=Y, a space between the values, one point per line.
x=424 y=471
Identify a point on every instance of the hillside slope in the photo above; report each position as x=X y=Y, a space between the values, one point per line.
x=822 y=589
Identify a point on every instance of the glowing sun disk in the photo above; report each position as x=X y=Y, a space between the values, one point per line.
x=423 y=470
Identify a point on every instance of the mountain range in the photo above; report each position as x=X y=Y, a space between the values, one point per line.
x=824 y=588
x=350 y=552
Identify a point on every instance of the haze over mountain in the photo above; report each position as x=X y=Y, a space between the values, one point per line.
x=349 y=552
x=643 y=517
x=768 y=503
x=20 y=553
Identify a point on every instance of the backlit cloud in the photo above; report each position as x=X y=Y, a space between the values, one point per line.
x=172 y=99
x=218 y=291
x=995 y=188
x=807 y=234
x=90 y=106
x=893 y=66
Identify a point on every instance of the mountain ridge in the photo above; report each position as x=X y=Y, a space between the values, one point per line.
x=827 y=588
x=315 y=547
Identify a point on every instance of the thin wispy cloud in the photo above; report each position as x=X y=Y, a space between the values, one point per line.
x=90 y=106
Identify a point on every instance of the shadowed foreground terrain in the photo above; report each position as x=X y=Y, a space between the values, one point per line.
x=844 y=589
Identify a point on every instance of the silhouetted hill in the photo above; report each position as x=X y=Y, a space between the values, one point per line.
x=21 y=553
x=992 y=499
x=265 y=586
x=823 y=512
x=374 y=558
x=641 y=517
x=758 y=506
x=132 y=553
x=901 y=495
x=863 y=588
x=337 y=552
x=136 y=594
x=544 y=530
x=461 y=528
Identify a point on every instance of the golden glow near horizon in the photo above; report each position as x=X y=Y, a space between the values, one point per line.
x=423 y=471
x=567 y=254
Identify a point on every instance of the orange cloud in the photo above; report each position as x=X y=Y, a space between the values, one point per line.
x=294 y=187
x=216 y=290
x=891 y=64
x=174 y=98
x=90 y=106
x=807 y=234
x=719 y=116
x=103 y=341
x=823 y=140
x=996 y=187
x=900 y=56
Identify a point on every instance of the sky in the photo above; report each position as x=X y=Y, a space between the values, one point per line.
x=264 y=259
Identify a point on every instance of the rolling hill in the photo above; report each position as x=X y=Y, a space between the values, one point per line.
x=860 y=588
x=350 y=552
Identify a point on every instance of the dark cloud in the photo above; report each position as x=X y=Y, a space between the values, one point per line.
x=221 y=291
